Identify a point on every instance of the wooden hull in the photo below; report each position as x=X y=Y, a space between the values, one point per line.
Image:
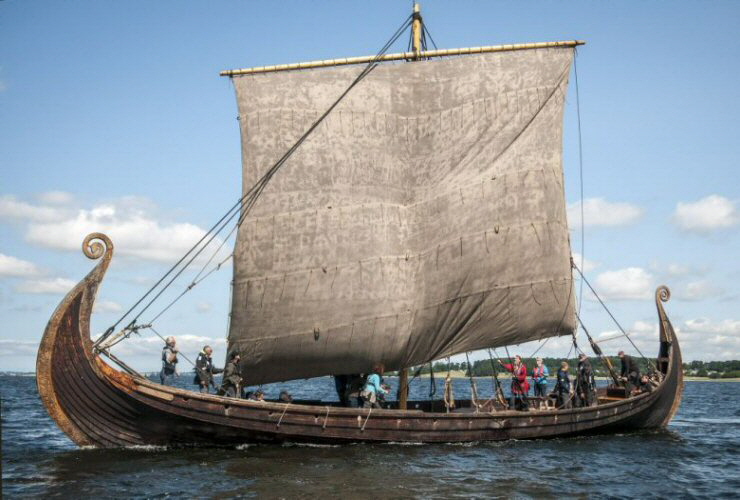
x=97 y=405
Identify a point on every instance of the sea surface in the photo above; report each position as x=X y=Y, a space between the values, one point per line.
x=697 y=456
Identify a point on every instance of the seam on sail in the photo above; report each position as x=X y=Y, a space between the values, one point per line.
x=447 y=194
x=404 y=256
x=559 y=281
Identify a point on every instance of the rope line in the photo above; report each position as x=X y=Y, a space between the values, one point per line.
x=580 y=170
x=613 y=318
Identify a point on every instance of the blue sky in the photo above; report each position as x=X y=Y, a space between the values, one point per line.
x=113 y=116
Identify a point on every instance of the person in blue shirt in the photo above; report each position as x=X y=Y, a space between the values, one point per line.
x=539 y=379
x=374 y=389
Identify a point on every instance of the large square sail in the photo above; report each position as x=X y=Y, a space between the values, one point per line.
x=423 y=218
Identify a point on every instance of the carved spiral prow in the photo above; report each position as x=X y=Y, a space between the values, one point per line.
x=97 y=245
x=662 y=294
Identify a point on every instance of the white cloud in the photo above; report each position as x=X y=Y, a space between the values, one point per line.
x=625 y=284
x=699 y=290
x=52 y=286
x=130 y=222
x=3 y=86
x=703 y=338
x=12 y=266
x=707 y=214
x=587 y=265
x=14 y=348
x=13 y=209
x=700 y=339
x=203 y=307
x=600 y=212
x=107 y=306
x=56 y=198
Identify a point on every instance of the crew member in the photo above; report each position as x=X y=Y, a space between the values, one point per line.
x=539 y=379
x=374 y=391
x=204 y=370
x=645 y=385
x=169 y=361
x=585 y=382
x=562 y=387
x=340 y=384
x=519 y=384
x=232 y=377
x=630 y=371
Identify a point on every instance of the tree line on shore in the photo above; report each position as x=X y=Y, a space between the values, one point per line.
x=484 y=367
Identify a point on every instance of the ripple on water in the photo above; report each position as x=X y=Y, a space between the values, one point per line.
x=696 y=456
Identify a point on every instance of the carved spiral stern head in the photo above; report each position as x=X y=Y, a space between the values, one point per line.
x=97 y=245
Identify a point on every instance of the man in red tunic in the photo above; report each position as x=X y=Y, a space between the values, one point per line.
x=519 y=384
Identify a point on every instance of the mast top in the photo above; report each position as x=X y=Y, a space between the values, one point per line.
x=417 y=29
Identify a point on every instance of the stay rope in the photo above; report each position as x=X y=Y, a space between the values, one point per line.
x=580 y=171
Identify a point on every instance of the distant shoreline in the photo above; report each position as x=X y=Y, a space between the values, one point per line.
x=456 y=374
x=502 y=376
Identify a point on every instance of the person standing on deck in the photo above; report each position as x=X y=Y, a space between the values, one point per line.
x=204 y=369
x=539 y=379
x=232 y=377
x=374 y=389
x=169 y=361
x=630 y=371
x=563 y=388
x=585 y=382
x=519 y=384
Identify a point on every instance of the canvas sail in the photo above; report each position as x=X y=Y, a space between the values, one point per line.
x=425 y=217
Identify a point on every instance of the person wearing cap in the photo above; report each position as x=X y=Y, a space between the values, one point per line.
x=169 y=361
x=630 y=371
x=585 y=382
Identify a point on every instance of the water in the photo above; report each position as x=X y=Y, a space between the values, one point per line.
x=697 y=456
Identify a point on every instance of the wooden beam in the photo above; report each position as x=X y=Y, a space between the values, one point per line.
x=403 y=388
x=403 y=56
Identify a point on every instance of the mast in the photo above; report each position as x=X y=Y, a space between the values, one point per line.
x=417 y=29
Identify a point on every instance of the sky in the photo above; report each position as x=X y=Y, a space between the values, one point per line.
x=113 y=118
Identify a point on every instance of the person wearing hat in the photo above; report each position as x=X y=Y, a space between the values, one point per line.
x=585 y=382
x=169 y=361
x=232 y=377
x=630 y=371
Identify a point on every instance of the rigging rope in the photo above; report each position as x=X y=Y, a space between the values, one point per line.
x=497 y=389
x=613 y=318
x=580 y=170
x=597 y=350
x=473 y=388
x=247 y=201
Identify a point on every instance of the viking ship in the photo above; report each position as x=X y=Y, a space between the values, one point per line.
x=418 y=213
